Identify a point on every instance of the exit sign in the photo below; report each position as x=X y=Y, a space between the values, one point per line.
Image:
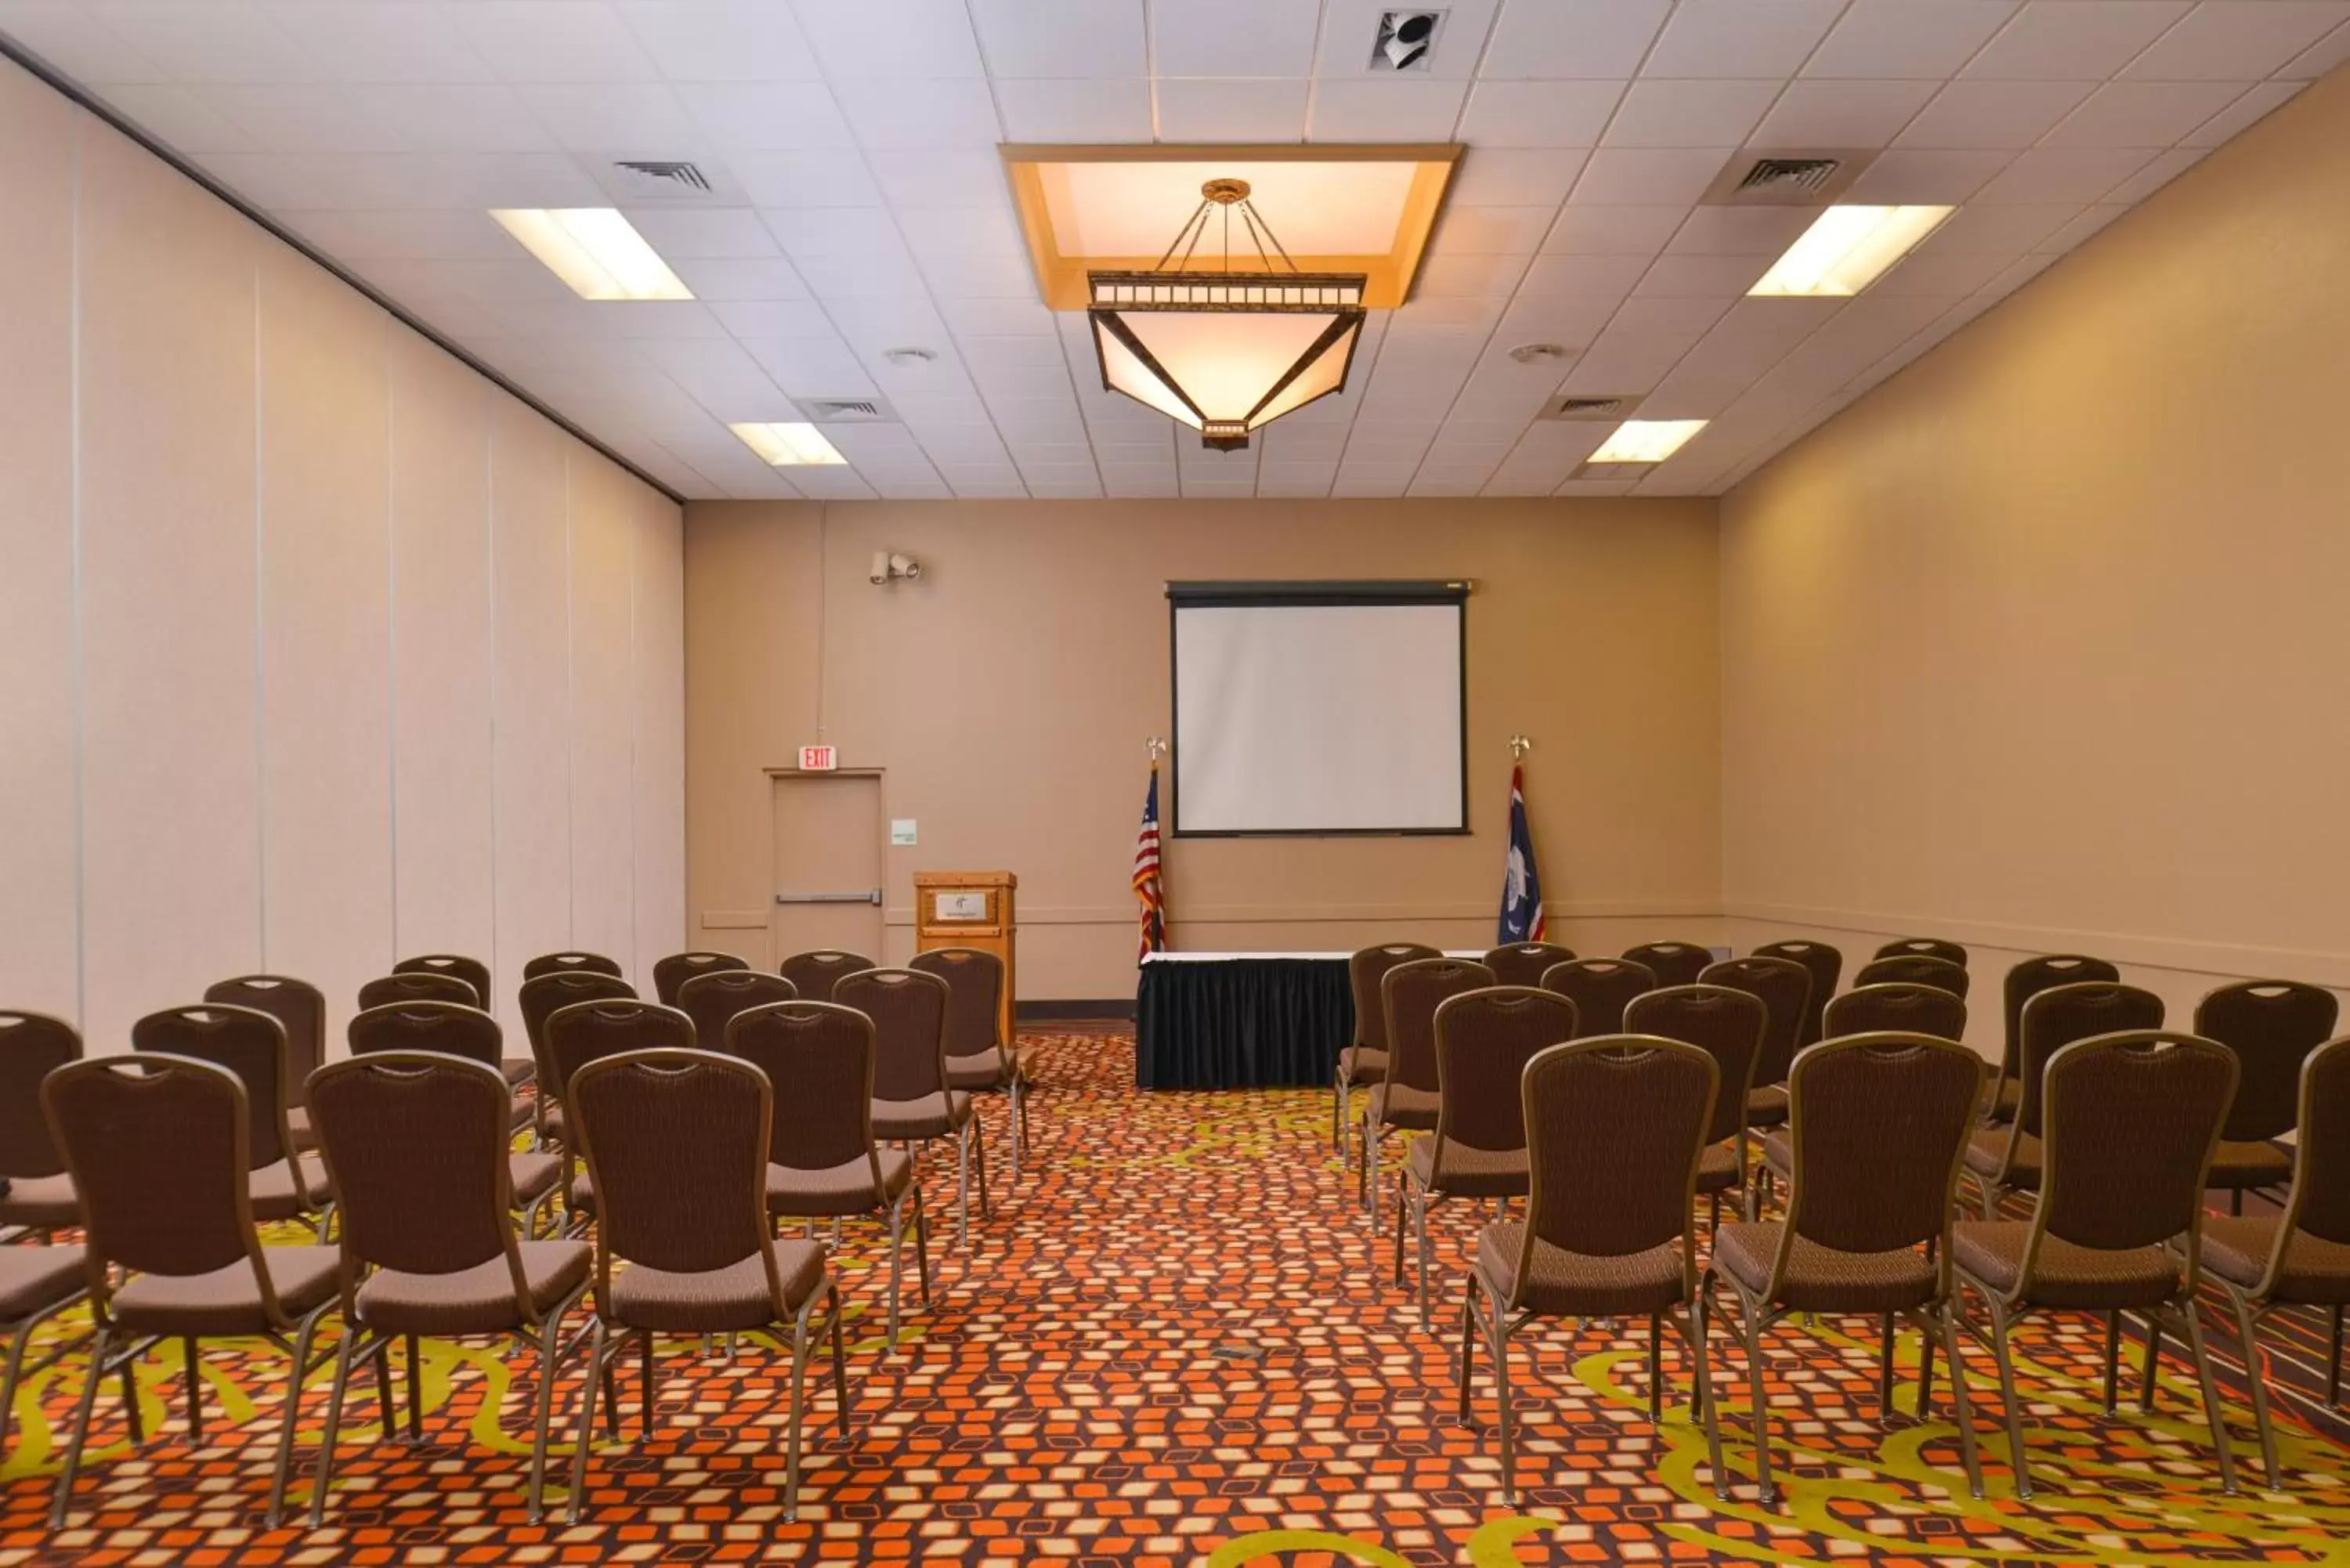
x=818 y=759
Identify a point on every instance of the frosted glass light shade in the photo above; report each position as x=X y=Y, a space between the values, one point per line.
x=1225 y=354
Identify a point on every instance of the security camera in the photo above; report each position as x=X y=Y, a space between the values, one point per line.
x=906 y=566
x=1404 y=40
x=880 y=572
x=891 y=567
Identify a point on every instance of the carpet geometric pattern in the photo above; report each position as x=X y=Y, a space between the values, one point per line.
x=1170 y=1345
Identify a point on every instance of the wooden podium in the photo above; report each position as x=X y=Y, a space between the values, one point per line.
x=970 y=909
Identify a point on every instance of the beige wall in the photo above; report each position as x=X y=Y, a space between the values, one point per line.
x=1007 y=694
x=2040 y=644
x=321 y=650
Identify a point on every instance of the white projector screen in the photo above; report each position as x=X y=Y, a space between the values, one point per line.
x=1317 y=709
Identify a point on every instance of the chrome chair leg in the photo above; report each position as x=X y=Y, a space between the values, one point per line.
x=798 y=1405
x=2013 y=1406
x=2212 y=1412
x=325 y=1476
x=292 y=1415
x=596 y=1374
x=80 y=1433
x=2248 y=1336
x=1961 y=1411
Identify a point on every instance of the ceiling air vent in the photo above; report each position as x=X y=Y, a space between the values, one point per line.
x=663 y=178
x=1590 y=406
x=846 y=410
x=1808 y=175
x=1793 y=177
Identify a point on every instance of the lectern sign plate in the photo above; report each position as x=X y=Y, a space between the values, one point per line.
x=959 y=906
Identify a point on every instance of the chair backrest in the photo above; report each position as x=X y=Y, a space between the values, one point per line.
x=2056 y=1017
x=1910 y=968
x=417 y=985
x=713 y=999
x=974 y=999
x=1879 y=1122
x=571 y=964
x=449 y=1028
x=1522 y=963
x=2133 y=1118
x=2027 y=979
x=677 y=1148
x=416 y=1144
x=1672 y=963
x=540 y=998
x=1722 y=1022
x=824 y=1052
x=1782 y=986
x=295 y=1003
x=1484 y=1041
x=2319 y=1203
x=157 y=1148
x=1601 y=989
x=1616 y=1125
x=1924 y=947
x=248 y=1043
x=813 y=974
x=1823 y=964
x=908 y=1009
x=457 y=966
x=1893 y=1007
x=589 y=1032
x=32 y=1045
x=673 y=971
x=1409 y=994
x=1367 y=973
x=2272 y=1025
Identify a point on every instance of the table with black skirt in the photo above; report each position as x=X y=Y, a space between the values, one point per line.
x=1241 y=1021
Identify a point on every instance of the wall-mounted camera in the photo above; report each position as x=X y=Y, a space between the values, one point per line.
x=890 y=566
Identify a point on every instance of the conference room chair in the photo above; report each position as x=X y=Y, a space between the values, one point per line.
x=2011 y=1157
x=302 y=1008
x=683 y=1245
x=417 y=1142
x=572 y=963
x=158 y=1146
x=713 y=1000
x=1924 y=946
x=282 y=1183
x=813 y=974
x=37 y=1194
x=2132 y=1118
x=2272 y=1025
x=1824 y=964
x=1910 y=969
x=1672 y=963
x=37 y=1285
x=673 y=971
x=1406 y=1097
x=1885 y=1007
x=1484 y=1041
x=1727 y=1025
x=2299 y=1256
x=912 y=1101
x=538 y=1000
x=1601 y=989
x=2026 y=980
x=1365 y=1063
x=1877 y=1122
x=1784 y=987
x=979 y=1059
x=823 y=1160
x=1522 y=963
x=417 y=985
x=588 y=1031
x=453 y=1029
x=476 y=973
x=1615 y=1126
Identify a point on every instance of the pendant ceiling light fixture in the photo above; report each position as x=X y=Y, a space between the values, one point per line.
x=1226 y=352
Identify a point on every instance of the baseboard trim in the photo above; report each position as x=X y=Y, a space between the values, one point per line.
x=1119 y=1008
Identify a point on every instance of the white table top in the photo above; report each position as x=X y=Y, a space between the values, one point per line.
x=1229 y=958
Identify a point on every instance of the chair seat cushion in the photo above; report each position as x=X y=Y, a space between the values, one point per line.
x=933 y=1115
x=518 y=1070
x=34 y=1279
x=1469 y=1172
x=720 y=1301
x=551 y=1119
x=227 y=1302
x=1992 y=1250
x=1401 y=1105
x=43 y=1202
x=982 y=1070
x=1717 y=1169
x=1779 y=1152
x=534 y=1175
x=1987 y=1157
x=272 y=1187
x=1766 y=1107
x=1574 y=1284
x=298 y=1122
x=837 y=1189
x=1361 y=1064
x=2316 y=1272
x=479 y=1300
x=2250 y=1164
x=1821 y=1278
x=1998 y=1098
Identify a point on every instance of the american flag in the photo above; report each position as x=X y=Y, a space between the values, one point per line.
x=1146 y=876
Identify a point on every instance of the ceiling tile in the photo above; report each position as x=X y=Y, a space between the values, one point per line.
x=962 y=231
x=1500 y=231
x=448 y=235
x=1905 y=38
x=1351 y=29
x=1904 y=175
x=1842 y=113
x=811 y=367
x=767 y=116
x=2142 y=114
x=222 y=41
x=2237 y=42
x=1108 y=110
x=553 y=41
x=2073 y=40
x=1593 y=229
x=1739 y=38
x=1649 y=176
x=808 y=179
x=347 y=181
x=1741 y=230
x=1660 y=113
x=1705 y=276
x=1061 y=37
x=1514 y=177
x=992 y=316
x=1551 y=40
x=361 y=118
x=2321 y=56
x=1994 y=114
x=958 y=112
x=2246 y=110
x=1195 y=37
x=940 y=177
x=183 y=118
x=1467 y=275
x=773 y=318
x=635 y=117
x=1941 y=274
x=890 y=40
x=1598 y=276
x=1390 y=108
x=2160 y=171
x=2079 y=229
x=2008 y=231
x=1539 y=114
x=1205 y=109
x=2076 y=174
x=78 y=43
x=718 y=40
x=1569 y=319
x=724 y=233
x=379 y=41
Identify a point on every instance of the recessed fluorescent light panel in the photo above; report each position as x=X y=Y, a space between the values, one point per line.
x=595 y=250
x=789 y=446
x=1846 y=248
x=1645 y=441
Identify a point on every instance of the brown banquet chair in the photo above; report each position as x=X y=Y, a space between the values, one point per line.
x=1924 y=946
x=1601 y=989
x=2272 y=1025
x=1910 y=968
x=814 y=973
x=1522 y=963
x=588 y=1031
x=1406 y=1097
x=453 y=1029
x=1823 y=964
x=571 y=963
x=2026 y=979
x=713 y=1000
x=2009 y=1159
x=1365 y=1062
x=417 y=985
x=1727 y=1025
x=1782 y=986
x=978 y=1056
x=476 y=973
x=912 y=1100
x=35 y=1191
x=1887 y=1007
x=1672 y=963
x=284 y=1183
x=540 y=998
x=674 y=970
x=302 y=1008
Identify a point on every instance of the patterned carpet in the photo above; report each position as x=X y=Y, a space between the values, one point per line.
x=1167 y=1347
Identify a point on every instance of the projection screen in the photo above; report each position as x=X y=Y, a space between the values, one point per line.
x=1319 y=709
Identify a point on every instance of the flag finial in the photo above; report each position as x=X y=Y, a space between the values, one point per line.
x=1157 y=747
x=1519 y=746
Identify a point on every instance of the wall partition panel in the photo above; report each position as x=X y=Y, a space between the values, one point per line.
x=657 y=749
x=603 y=861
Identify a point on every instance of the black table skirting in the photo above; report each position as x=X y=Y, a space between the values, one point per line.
x=1242 y=1023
